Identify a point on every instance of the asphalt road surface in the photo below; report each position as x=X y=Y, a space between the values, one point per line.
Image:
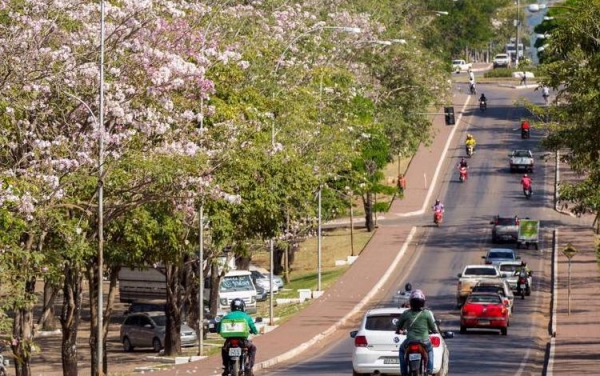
x=437 y=255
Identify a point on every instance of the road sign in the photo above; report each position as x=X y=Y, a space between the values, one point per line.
x=570 y=251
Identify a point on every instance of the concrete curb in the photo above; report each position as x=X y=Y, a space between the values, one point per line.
x=292 y=353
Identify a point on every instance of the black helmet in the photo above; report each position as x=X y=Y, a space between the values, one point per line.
x=238 y=304
x=523 y=263
x=408 y=287
x=437 y=202
x=417 y=300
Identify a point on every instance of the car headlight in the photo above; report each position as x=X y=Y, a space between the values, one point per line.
x=253 y=299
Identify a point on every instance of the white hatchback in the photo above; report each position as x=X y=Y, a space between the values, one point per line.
x=376 y=345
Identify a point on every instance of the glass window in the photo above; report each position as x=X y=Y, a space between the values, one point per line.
x=382 y=322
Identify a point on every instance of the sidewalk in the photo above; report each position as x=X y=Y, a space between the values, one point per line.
x=352 y=291
x=577 y=344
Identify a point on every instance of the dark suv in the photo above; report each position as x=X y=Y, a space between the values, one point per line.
x=505 y=229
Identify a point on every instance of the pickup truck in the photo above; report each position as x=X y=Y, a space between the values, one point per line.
x=505 y=229
x=469 y=277
x=460 y=65
x=521 y=160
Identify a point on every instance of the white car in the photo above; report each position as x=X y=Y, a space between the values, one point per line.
x=376 y=345
x=460 y=65
x=264 y=281
x=501 y=61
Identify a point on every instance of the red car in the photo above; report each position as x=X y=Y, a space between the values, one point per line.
x=484 y=310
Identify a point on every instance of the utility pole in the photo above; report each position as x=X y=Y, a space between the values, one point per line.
x=518 y=24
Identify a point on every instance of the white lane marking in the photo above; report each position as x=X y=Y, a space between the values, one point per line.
x=439 y=165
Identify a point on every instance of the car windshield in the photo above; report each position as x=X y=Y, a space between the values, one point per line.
x=521 y=153
x=489 y=288
x=501 y=255
x=236 y=283
x=484 y=299
x=456 y=62
x=508 y=268
x=480 y=271
x=505 y=222
x=385 y=322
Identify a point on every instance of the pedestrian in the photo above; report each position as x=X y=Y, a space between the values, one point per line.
x=524 y=78
x=401 y=184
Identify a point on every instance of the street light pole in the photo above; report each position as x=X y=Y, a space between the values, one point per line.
x=518 y=32
x=100 y=339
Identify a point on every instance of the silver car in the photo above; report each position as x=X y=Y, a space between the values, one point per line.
x=147 y=329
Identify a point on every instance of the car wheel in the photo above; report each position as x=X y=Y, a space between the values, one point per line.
x=463 y=329
x=127 y=345
x=156 y=345
x=504 y=331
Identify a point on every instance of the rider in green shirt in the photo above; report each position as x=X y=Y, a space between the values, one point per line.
x=238 y=311
x=418 y=323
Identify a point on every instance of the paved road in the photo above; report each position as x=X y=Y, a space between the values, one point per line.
x=440 y=253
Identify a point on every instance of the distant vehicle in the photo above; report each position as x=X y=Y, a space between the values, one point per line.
x=521 y=160
x=505 y=229
x=495 y=256
x=484 y=310
x=499 y=286
x=376 y=344
x=147 y=329
x=460 y=65
x=501 y=61
x=511 y=50
x=276 y=279
x=470 y=276
x=264 y=281
x=511 y=269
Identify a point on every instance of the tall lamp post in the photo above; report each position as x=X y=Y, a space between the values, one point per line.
x=100 y=339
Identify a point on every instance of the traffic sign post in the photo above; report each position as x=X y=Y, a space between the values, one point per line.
x=569 y=251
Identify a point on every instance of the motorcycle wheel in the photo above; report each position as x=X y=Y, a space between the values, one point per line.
x=235 y=371
x=3 y=372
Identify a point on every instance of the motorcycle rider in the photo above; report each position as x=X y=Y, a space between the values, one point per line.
x=437 y=207
x=524 y=268
x=470 y=141
x=238 y=311
x=472 y=82
x=526 y=183
x=463 y=164
x=525 y=127
x=418 y=323
x=405 y=295
x=483 y=99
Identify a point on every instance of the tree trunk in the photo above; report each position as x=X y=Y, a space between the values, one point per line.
x=172 y=343
x=70 y=318
x=23 y=332
x=368 y=204
x=215 y=279
x=47 y=320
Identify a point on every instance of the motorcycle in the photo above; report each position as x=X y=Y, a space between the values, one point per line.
x=438 y=217
x=470 y=150
x=462 y=174
x=237 y=357
x=416 y=358
x=524 y=133
x=527 y=192
x=482 y=106
x=523 y=287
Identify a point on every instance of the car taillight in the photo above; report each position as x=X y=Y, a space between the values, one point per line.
x=506 y=302
x=435 y=341
x=414 y=348
x=488 y=263
x=360 y=341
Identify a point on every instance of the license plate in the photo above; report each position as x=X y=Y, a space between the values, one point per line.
x=235 y=351
x=391 y=360
x=523 y=285
x=412 y=357
x=484 y=322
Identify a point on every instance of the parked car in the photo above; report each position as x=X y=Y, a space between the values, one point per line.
x=521 y=160
x=264 y=281
x=484 y=310
x=460 y=65
x=499 y=286
x=496 y=255
x=261 y=294
x=276 y=279
x=376 y=344
x=511 y=269
x=505 y=229
x=157 y=305
x=147 y=329
x=501 y=61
